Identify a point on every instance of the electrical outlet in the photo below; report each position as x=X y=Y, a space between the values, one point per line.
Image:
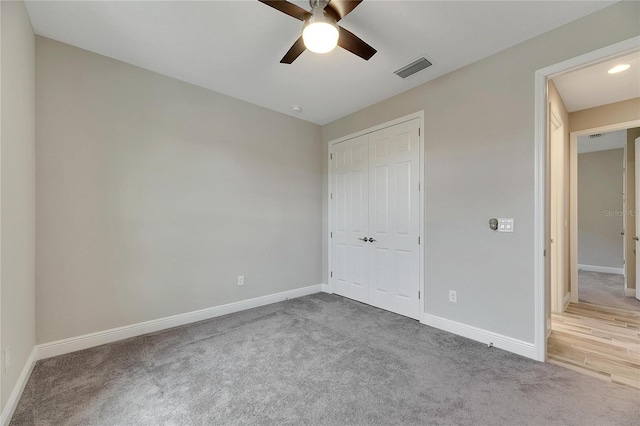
x=453 y=296
x=240 y=279
x=7 y=359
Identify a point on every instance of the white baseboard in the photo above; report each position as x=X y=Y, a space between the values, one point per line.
x=565 y=301
x=630 y=292
x=14 y=398
x=499 y=341
x=326 y=288
x=60 y=347
x=603 y=269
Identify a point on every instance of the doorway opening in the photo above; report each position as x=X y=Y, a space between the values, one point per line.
x=604 y=208
x=586 y=213
x=547 y=298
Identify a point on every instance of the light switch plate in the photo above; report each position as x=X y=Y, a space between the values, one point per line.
x=505 y=224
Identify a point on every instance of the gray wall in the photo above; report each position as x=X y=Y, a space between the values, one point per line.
x=154 y=194
x=17 y=186
x=479 y=160
x=600 y=211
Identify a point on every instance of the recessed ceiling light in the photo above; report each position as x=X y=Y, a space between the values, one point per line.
x=619 y=68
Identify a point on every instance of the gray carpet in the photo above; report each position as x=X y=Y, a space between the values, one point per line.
x=605 y=289
x=320 y=359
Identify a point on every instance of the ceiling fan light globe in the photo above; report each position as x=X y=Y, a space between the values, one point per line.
x=320 y=37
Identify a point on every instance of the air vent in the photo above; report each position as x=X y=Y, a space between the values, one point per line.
x=595 y=135
x=413 y=67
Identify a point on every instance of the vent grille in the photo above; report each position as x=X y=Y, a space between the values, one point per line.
x=595 y=135
x=413 y=67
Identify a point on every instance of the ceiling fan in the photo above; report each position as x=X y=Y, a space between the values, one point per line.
x=321 y=32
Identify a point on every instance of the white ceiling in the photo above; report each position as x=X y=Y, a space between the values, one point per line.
x=234 y=47
x=609 y=140
x=592 y=86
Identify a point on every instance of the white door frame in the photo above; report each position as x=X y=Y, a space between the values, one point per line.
x=624 y=215
x=636 y=190
x=420 y=116
x=540 y=138
x=1 y=356
x=556 y=224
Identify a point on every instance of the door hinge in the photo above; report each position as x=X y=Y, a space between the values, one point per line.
x=544 y=252
x=418 y=295
x=418 y=240
x=330 y=156
x=418 y=131
x=331 y=274
x=418 y=186
x=331 y=234
x=331 y=196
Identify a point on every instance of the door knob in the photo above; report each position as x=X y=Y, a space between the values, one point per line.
x=622 y=233
x=371 y=240
x=635 y=238
x=365 y=239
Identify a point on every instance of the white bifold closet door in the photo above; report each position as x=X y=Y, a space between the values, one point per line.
x=375 y=218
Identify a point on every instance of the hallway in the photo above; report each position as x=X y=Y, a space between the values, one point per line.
x=602 y=289
x=599 y=341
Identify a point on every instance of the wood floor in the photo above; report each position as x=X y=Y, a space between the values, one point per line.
x=600 y=341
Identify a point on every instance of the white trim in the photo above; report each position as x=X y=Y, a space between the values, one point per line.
x=14 y=398
x=602 y=269
x=329 y=229
x=60 y=347
x=540 y=135
x=625 y=225
x=573 y=216
x=630 y=292
x=565 y=301
x=1 y=357
x=326 y=288
x=421 y=200
x=556 y=121
x=539 y=240
x=623 y=125
x=417 y=115
x=498 y=340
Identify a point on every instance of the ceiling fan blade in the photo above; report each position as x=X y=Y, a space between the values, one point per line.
x=287 y=8
x=338 y=9
x=295 y=51
x=355 y=45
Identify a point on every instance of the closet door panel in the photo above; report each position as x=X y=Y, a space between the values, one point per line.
x=394 y=218
x=350 y=221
